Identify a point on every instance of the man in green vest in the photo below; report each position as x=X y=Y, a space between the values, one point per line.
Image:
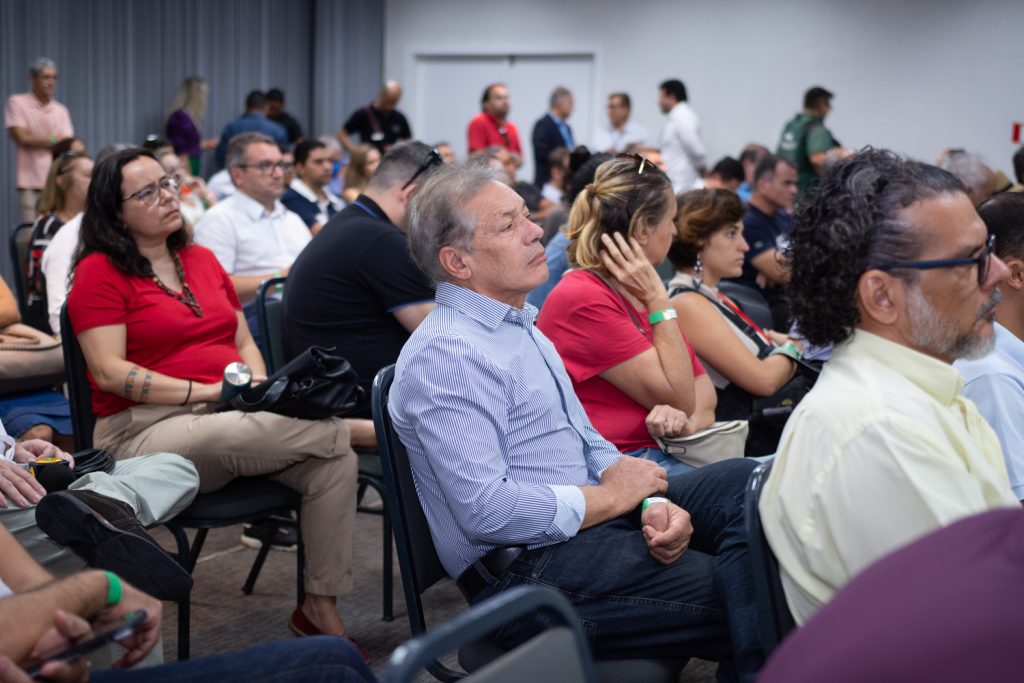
x=806 y=141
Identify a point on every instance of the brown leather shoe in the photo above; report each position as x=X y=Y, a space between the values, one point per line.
x=301 y=626
x=106 y=534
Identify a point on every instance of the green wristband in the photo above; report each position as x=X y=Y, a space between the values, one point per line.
x=114 y=589
x=661 y=316
x=651 y=501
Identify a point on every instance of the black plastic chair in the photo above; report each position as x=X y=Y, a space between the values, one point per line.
x=546 y=656
x=750 y=301
x=270 y=316
x=421 y=568
x=774 y=619
x=246 y=499
x=21 y=243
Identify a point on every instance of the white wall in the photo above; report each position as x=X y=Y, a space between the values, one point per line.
x=913 y=75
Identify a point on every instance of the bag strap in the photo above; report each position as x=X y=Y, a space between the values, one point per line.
x=736 y=317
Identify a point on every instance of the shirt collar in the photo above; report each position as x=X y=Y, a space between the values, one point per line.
x=939 y=380
x=307 y=193
x=483 y=309
x=1008 y=343
x=556 y=119
x=253 y=210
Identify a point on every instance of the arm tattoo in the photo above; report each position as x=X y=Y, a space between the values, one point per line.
x=147 y=382
x=129 y=382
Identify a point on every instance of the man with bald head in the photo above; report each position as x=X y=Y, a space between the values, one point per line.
x=379 y=123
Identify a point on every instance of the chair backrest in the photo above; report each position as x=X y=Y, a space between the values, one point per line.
x=750 y=302
x=21 y=242
x=417 y=557
x=558 y=653
x=83 y=420
x=774 y=618
x=269 y=313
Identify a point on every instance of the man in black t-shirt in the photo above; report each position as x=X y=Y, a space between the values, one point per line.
x=766 y=227
x=356 y=287
x=277 y=114
x=379 y=123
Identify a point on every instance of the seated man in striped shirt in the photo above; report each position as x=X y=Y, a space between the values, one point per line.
x=517 y=485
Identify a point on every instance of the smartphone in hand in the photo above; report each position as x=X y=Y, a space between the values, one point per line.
x=133 y=621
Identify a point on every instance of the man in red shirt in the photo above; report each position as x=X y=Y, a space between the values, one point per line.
x=491 y=127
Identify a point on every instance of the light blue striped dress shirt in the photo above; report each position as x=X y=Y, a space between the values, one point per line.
x=498 y=442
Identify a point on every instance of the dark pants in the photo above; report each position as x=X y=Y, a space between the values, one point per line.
x=632 y=606
x=304 y=660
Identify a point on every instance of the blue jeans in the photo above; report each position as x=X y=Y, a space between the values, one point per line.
x=631 y=606
x=322 y=659
x=671 y=465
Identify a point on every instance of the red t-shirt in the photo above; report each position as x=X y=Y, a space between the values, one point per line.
x=484 y=132
x=592 y=331
x=163 y=334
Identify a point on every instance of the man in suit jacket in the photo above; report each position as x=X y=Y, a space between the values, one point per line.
x=550 y=132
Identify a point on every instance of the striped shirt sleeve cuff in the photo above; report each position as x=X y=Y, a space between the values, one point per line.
x=569 y=512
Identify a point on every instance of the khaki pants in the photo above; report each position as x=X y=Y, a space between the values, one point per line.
x=28 y=202
x=313 y=457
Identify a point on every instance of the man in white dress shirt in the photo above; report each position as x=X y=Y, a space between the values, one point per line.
x=252 y=234
x=681 y=145
x=619 y=133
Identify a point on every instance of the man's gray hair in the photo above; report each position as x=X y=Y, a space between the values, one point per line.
x=558 y=94
x=400 y=164
x=238 y=145
x=438 y=215
x=41 y=63
x=969 y=168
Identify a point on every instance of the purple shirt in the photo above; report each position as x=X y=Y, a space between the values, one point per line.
x=183 y=134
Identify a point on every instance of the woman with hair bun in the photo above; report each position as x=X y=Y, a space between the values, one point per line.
x=611 y=320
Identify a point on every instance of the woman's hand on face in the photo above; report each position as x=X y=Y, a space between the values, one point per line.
x=629 y=267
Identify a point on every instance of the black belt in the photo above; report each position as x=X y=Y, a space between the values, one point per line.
x=485 y=571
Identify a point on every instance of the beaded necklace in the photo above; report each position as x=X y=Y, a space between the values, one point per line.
x=185 y=296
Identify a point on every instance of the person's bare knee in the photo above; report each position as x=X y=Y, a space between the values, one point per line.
x=39 y=431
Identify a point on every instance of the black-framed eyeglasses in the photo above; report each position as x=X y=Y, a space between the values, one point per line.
x=982 y=260
x=150 y=194
x=433 y=159
x=268 y=167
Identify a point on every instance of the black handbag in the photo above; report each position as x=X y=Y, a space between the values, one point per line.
x=315 y=385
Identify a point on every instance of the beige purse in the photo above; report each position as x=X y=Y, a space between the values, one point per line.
x=29 y=359
x=720 y=441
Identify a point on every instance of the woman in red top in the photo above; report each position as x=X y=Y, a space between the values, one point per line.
x=158 y=320
x=611 y=320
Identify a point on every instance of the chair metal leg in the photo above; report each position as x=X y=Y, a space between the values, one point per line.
x=184 y=606
x=261 y=556
x=300 y=561
x=197 y=547
x=389 y=614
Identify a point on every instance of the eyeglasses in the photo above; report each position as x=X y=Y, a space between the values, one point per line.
x=433 y=159
x=150 y=194
x=982 y=260
x=268 y=167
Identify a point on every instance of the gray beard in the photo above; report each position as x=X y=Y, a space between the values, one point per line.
x=939 y=336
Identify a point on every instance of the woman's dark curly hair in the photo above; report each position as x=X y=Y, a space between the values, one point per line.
x=854 y=222
x=701 y=214
x=103 y=229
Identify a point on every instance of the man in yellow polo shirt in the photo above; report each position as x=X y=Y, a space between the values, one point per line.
x=892 y=265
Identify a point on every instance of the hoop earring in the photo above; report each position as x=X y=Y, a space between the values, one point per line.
x=698 y=272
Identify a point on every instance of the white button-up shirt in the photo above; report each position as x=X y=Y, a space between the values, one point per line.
x=249 y=240
x=882 y=451
x=681 y=147
x=606 y=137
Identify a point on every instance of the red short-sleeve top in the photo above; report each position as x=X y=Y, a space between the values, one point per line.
x=163 y=334
x=592 y=331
